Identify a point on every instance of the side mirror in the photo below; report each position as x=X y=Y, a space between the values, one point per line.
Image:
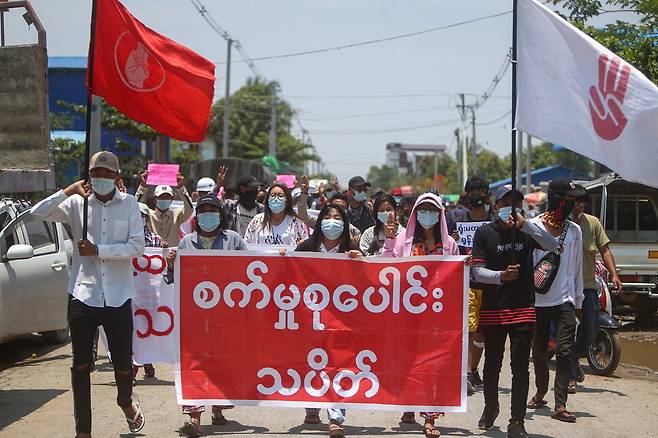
x=20 y=252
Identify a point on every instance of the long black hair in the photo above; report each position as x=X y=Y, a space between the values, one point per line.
x=316 y=238
x=289 y=211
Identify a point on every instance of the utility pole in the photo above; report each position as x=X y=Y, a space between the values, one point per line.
x=464 y=144
x=458 y=137
x=95 y=133
x=474 y=149
x=519 y=152
x=227 y=93
x=528 y=164
x=272 y=148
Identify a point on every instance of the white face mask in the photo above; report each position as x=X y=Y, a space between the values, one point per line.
x=102 y=186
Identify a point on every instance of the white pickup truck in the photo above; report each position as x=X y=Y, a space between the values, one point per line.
x=34 y=272
x=629 y=214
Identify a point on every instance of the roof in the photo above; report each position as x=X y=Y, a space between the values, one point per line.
x=67 y=62
x=544 y=174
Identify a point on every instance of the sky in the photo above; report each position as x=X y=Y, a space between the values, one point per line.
x=352 y=101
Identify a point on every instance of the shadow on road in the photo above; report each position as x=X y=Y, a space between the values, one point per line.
x=18 y=403
x=22 y=348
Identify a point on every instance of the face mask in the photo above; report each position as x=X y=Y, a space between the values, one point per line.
x=329 y=194
x=360 y=196
x=476 y=201
x=102 y=186
x=248 y=198
x=332 y=228
x=559 y=205
x=208 y=221
x=382 y=216
x=427 y=219
x=504 y=213
x=277 y=205
x=163 y=204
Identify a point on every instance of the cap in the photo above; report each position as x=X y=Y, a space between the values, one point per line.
x=162 y=190
x=564 y=186
x=104 y=159
x=249 y=182
x=358 y=181
x=210 y=199
x=504 y=190
x=585 y=197
x=205 y=185
x=144 y=209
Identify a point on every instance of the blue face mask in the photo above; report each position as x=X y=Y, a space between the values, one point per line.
x=208 y=221
x=277 y=205
x=163 y=204
x=329 y=194
x=427 y=219
x=360 y=196
x=382 y=216
x=504 y=213
x=102 y=186
x=332 y=228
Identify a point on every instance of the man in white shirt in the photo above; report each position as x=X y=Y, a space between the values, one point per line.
x=562 y=302
x=100 y=287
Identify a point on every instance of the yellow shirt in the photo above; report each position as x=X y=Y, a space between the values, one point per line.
x=594 y=238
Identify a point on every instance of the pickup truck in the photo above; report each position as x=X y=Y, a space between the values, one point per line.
x=630 y=217
x=35 y=258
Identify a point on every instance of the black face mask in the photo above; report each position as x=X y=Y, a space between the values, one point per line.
x=477 y=200
x=560 y=206
x=248 y=199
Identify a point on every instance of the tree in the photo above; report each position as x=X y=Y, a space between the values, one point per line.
x=249 y=125
x=383 y=177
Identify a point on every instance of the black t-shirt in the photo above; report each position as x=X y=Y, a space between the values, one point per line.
x=511 y=302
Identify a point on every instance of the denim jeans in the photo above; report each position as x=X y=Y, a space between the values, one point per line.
x=589 y=327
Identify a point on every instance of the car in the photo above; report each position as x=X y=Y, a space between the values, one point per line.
x=34 y=272
x=630 y=217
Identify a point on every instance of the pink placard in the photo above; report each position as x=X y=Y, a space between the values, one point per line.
x=162 y=174
x=288 y=180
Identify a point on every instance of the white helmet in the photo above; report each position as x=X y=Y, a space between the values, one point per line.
x=205 y=185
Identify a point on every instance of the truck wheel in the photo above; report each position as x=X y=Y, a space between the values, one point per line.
x=604 y=353
x=56 y=337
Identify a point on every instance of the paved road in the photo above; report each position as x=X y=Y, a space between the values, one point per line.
x=35 y=401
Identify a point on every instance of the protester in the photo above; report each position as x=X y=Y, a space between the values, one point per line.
x=166 y=221
x=211 y=233
x=503 y=266
x=594 y=240
x=278 y=225
x=261 y=197
x=426 y=234
x=405 y=206
x=373 y=239
x=239 y=213
x=359 y=211
x=563 y=300
x=203 y=187
x=331 y=235
x=100 y=289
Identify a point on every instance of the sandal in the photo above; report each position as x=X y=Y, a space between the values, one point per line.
x=312 y=419
x=408 y=418
x=536 y=404
x=149 y=371
x=335 y=430
x=218 y=419
x=430 y=430
x=133 y=424
x=191 y=429
x=564 y=415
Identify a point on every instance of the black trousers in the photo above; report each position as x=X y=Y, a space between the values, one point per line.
x=495 y=336
x=565 y=316
x=118 y=325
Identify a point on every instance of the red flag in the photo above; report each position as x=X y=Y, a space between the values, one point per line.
x=149 y=77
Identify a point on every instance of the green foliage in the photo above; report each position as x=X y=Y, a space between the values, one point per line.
x=68 y=157
x=185 y=157
x=383 y=177
x=249 y=125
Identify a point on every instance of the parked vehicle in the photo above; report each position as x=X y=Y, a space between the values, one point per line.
x=34 y=271
x=630 y=217
x=604 y=353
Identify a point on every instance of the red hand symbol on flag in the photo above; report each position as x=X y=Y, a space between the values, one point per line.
x=606 y=100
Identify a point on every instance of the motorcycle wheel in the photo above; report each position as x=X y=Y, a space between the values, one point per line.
x=604 y=353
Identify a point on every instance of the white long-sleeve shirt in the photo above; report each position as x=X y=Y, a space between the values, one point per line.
x=116 y=228
x=568 y=283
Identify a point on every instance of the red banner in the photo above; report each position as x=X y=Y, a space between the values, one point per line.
x=319 y=330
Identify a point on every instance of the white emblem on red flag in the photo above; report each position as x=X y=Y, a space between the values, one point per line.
x=137 y=68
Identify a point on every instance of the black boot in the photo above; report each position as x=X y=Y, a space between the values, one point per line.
x=487 y=419
x=515 y=429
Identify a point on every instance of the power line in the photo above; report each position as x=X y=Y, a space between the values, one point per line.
x=379 y=40
x=495 y=120
x=378 y=131
x=376 y=114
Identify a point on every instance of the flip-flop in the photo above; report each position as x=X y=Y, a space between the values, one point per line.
x=536 y=404
x=133 y=426
x=564 y=416
x=190 y=430
x=431 y=431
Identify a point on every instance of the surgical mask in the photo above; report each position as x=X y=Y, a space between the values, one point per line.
x=360 y=196
x=163 y=204
x=277 y=205
x=382 y=216
x=427 y=219
x=102 y=186
x=208 y=221
x=332 y=228
x=504 y=213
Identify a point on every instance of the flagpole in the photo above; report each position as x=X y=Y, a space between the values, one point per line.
x=514 y=164
x=90 y=90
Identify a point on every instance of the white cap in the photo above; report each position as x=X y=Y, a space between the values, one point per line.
x=144 y=209
x=205 y=184
x=161 y=190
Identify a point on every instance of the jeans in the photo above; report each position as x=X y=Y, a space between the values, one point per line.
x=589 y=327
x=118 y=325
x=338 y=415
x=565 y=315
x=520 y=336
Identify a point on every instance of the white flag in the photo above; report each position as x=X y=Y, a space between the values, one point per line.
x=574 y=92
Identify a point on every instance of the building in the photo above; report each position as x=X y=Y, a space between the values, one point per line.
x=544 y=176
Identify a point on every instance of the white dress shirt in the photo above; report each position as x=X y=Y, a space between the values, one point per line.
x=116 y=228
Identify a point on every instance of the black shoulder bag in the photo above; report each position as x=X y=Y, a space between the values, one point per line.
x=546 y=269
